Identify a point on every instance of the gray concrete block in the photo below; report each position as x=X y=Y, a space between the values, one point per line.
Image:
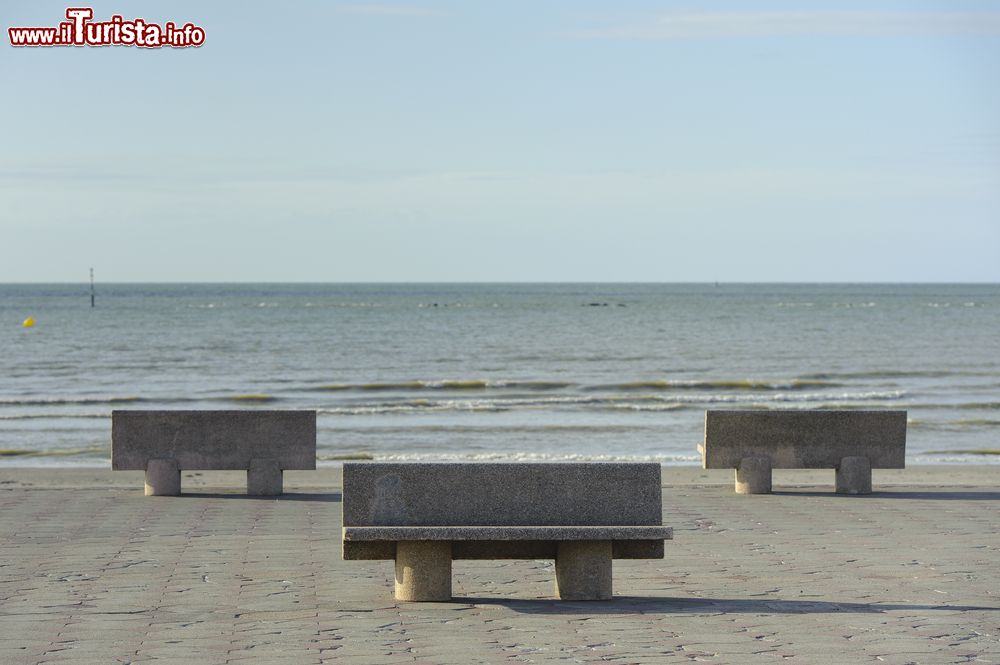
x=423 y=571
x=264 y=477
x=854 y=476
x=753 y=476
x=163 y=478
x=795 y=439
x=209 y=440
x=501 y=494
x=583 y=570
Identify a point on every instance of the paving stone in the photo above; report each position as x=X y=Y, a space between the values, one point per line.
x=98 y=574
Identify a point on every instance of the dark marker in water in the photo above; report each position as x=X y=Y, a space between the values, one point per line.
x=91 y=287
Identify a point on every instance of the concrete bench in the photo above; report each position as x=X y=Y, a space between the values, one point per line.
x=424 y=515
x=162 y=443
x=852 y=442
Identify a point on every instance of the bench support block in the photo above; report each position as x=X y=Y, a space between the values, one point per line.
x=583 y=570
x=423 y=570
x=753 y=476
x=163 y=478
x=264 y=477
x=854 y=476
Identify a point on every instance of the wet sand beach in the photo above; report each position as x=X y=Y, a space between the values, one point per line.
x=91 y=571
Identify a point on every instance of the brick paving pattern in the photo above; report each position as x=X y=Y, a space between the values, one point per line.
x=102 y=574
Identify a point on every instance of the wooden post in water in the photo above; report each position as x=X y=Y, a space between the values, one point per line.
x=91 y=287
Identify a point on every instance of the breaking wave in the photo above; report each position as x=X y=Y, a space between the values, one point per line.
x=722 y=384
x=614 y=402
x=960 y=425
x=48 y=416
x=896 y=374
x=87 y=451
x=445 y=384
x=59 y=401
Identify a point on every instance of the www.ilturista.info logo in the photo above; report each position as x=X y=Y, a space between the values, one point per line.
x=80 y=30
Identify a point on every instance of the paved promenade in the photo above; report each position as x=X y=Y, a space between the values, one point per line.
x=91 y=571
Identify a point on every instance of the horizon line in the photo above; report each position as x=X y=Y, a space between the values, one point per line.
x=522 y=282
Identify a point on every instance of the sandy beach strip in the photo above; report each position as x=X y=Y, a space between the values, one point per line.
x=91 y=571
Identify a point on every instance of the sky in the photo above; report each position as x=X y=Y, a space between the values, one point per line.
x=570 y=140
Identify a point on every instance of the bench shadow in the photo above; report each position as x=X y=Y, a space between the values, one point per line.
x=949 y=495
x=666 y=605
x=329 y=497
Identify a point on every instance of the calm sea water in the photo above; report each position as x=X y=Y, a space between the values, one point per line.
x=524 y=371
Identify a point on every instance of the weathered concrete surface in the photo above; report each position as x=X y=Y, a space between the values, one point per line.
x=502 y=494
x=423 y=571
x=207 y=440
x=799 y=439
x=506 y=532
x=753 y=475
x=426 y=508
x=163 y=478
x=854 y=476
x=92 y=572
x=583 y=570
x=264 y=477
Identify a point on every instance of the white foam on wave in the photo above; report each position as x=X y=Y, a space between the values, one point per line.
x=48 y=416
x=614 y=402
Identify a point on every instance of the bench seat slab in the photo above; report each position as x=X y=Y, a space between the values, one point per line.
x=398 y=533
x=385 y=550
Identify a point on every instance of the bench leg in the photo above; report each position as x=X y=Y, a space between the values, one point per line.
x=583 y=570
x=163 y=478
x=854 y=476
x=753 y=476
x=264 y=477
x=423 y=570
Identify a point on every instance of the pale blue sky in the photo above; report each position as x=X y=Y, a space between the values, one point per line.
x=509 y=141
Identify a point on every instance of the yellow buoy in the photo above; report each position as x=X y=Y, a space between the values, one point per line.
x=28 y=322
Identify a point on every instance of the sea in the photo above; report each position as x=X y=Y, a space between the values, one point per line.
x=498 y=371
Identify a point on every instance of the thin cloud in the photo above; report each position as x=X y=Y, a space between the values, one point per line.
x=385 y=10
x=706 y=25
